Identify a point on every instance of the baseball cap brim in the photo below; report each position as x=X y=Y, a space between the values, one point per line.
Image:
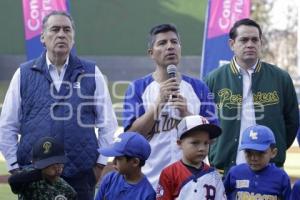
x=213 y=130
x=257 y=147
x=41 y=164
x=109 y=152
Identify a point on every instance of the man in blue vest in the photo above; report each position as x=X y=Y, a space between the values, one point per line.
x=61 y=96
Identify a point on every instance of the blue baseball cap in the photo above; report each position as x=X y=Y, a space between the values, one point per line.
x=128 y=144
x=258 y=138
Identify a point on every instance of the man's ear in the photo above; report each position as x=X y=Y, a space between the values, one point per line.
x=231 y=43
x=150 y=52
x=42 y=38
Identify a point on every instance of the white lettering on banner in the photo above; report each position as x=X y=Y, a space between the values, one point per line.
x=238 y=7
x=46 y=8
x=228 y=18
x=36 y=14
x=224 y=21
x=33 y=23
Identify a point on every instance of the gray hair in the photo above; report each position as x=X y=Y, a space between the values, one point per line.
x=63 y=13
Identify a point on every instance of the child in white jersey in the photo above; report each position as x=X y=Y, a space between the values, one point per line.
x=190 y=177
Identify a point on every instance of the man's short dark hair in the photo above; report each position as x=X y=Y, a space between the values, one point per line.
x=63 y=13
x=246 y=22
x=162 y=28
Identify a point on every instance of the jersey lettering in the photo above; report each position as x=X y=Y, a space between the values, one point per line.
x=257 y=196
x=210 y=192
x=165 y=124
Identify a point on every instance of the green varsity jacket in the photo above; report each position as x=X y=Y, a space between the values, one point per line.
x=275 y=104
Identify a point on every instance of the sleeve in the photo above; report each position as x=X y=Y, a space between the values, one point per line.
x=220 y=191
x=68 y=191
x=164 y=189
x=71 y=194
x=19 y=181
x=152 y=196
x=10 y=122
x=208 y=106
x=295 y=195
x=208 y=80
x=291 y=112
x=228 y=185
x=132 y=107
x=286 y=187
x=103 y=187
x=106 y=120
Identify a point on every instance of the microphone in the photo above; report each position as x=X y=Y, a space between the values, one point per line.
x=171 y=70
x=168 y=109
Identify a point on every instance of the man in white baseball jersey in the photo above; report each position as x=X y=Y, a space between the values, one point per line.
x=146 y=97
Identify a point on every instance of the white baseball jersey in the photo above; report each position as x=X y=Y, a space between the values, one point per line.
x=140 y=95
x=177 y=182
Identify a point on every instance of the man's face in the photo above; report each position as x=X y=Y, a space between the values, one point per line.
x=247 y=45
x=166 y=49
x=58 y=36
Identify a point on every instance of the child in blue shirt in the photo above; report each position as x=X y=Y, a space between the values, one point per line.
x=130 y=150
x=258 y=178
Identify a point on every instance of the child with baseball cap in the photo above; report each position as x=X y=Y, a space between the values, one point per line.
x=258 y=178
x=190 y=177
x=130 y=150
x=42 y=179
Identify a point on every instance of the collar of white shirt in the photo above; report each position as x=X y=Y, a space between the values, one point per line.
x=241 y=70
x=49 y=64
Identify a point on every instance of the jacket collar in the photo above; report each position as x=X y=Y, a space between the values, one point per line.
x=40 y=63
x=235 y=69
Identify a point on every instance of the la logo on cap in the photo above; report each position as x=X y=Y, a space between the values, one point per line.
x=253 y=135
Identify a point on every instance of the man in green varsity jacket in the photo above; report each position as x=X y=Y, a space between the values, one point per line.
x=247 y=92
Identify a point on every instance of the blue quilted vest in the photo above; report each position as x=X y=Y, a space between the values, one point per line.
x=67 y=114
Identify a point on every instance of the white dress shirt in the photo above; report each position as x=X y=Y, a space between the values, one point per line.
x=106 y=121
x=247 y=112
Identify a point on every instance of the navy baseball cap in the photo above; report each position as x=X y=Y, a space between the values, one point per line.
x=47 y=151
x=130 y=144
x=258 y=138
x=197 y=122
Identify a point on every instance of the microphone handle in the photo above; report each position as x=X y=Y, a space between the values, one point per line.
x=172 y=75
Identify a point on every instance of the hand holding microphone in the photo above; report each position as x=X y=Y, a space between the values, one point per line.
x=172 y=90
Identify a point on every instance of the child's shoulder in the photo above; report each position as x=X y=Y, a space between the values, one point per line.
x=175 y=167
x=244 y=169
x=273 y=169
x=241 y=170
x=112 y=175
